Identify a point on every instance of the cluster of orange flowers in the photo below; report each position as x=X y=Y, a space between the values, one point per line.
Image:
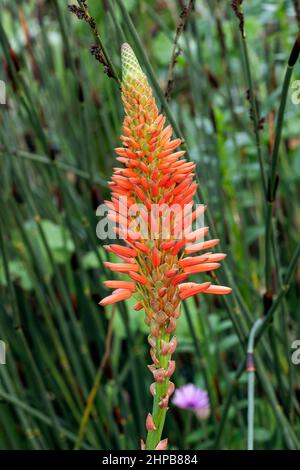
x=154 y=173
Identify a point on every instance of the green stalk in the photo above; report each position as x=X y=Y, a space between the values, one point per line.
x=99 y=42
x=161 y=389
x=254 y=109
x=284 y=289
x=273 y=180
x=251 y=382
x=272 y=185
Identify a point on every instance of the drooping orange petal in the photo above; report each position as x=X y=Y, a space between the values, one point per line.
x=120 y=285
x=219 y=290
x=201 y=268
x=121 y=267
x=215 y=257
x=138 y=277
x=121 y=250
x=189 y=249
x=191 y=260
x=185 y=293
x=116 y=296
x=199 y=233
x=179 y=278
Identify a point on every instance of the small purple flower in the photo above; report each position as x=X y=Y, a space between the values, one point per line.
x=190 y=397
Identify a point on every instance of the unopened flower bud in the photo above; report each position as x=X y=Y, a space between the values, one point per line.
x=158 y=374
x=170 y=293
x=138 y=306
x=172 y=272
x=171 y=389
x=172 y=345
x=153 y=356
x=161 y=318
x=168 y=308
x=171 y=369
x=162 y=445
x=164 y=347
x=177 y=311
x=172 y=326
x=152 y=341
x=164 y=402
x=150 y=426
x=154 y=328
x=152 y=389
x=159 y=285
x=162 y=291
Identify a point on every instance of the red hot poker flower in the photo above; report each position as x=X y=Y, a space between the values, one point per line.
x=157 y=183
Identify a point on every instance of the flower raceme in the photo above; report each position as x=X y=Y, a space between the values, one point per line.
x=155 y=174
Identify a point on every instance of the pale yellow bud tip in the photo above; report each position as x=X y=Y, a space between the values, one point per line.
x=130 y=66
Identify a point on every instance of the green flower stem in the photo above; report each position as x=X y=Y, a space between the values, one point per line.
x=161 y=389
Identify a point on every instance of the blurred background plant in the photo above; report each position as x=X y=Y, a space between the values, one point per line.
x=74 y=373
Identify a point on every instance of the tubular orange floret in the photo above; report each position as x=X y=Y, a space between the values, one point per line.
x=121 y=267
x=197 y=289
x=219 y=290
x=200 y=233
x=201 y=268
x=179 y=278
x=191 y=260
x=138 y=306
x=138 y=277
x=154 y=172
x=120 y=285
x=155 y=257
x=116 y=296
x=121 y=250
x=189 y=249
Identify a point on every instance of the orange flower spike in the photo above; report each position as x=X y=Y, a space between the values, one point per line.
x=154 y=174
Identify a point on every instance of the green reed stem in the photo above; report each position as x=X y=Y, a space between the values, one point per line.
x=254 y=109
x=251 y=382
x=273 y=181
x=99 y=42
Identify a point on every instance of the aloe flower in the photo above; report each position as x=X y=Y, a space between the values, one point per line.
x=154 y=174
